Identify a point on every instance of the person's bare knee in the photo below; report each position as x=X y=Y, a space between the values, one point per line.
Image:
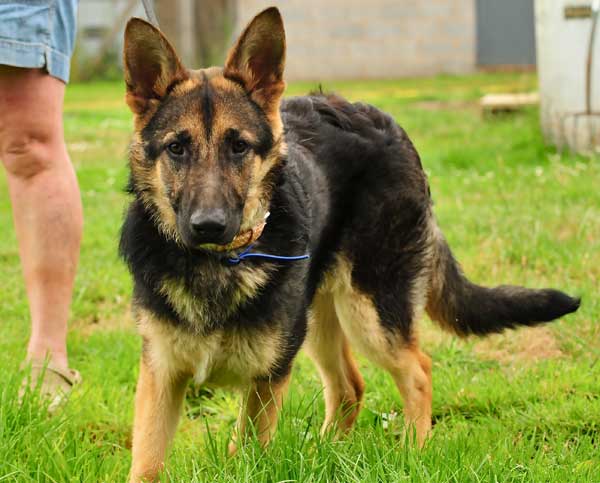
x=29 y=151
x=31 y=135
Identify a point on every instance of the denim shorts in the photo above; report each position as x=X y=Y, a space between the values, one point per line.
x=38 y=33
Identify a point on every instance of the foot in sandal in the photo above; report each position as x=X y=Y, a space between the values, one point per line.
x=55 y=385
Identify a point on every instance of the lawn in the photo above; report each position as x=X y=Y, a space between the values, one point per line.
x=524 y=406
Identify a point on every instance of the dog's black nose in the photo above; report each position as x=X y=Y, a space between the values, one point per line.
x=208 y=226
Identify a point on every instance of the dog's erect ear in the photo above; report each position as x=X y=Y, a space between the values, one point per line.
x=151 y=65
x=257 y=59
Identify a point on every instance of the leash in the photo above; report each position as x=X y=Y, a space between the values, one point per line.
x=149 y=9
x=247 y=254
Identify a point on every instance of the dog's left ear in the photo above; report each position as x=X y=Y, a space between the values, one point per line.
x=257 y=59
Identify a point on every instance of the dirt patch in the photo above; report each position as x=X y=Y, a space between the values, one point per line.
x=99 y=433
x=527 y=344
x=87 y=327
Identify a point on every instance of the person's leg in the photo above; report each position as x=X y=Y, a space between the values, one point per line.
x=45 y=200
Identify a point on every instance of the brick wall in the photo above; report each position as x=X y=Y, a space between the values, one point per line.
x=337 y=39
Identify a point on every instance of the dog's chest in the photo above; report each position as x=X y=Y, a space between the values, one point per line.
x=208 y=298
x=234 y=359
x=223 y=358
x=205 y=345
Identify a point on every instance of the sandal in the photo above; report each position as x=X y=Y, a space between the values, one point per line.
x=56 y=383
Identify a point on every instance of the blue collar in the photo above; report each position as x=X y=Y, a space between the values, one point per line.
x=247 y=254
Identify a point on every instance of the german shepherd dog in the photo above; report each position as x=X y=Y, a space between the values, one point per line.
x=224 y=176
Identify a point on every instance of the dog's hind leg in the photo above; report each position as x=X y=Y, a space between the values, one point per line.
x=259 y=411
x=411 y=370
x=383 y=343
x=158 y=401
x=328 y=347
x=409 y=367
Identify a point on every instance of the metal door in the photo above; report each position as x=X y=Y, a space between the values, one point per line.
x=505 y=33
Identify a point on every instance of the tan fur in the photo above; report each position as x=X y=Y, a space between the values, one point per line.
x=194 y=309
x=259 y=412
x=341 y=311
x=412 y=375
x=435 y=304
x=328 y=347
x=187 y=85
x=233 y=358
x=170 y=358
x=422 y=282
x=258 y=195
x=158 y=401
x=151 y=182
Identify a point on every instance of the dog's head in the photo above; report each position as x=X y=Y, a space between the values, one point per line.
x=206 y=141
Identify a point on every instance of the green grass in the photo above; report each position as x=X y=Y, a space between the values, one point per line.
x=521 y=407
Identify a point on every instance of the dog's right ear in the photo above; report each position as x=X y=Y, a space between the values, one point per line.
x=151 y=65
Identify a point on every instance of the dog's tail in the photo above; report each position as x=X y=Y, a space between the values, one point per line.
x=466 y=308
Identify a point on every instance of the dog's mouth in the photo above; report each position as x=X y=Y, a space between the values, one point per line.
x=241 y=240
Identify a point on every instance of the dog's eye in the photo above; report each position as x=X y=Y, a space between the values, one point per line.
x=239 y=146
x=176 y=149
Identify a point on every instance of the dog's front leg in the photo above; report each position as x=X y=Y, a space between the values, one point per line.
x=259 y=411
x=158 y=401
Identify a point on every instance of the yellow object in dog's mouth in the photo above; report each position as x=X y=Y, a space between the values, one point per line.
x=241 y=240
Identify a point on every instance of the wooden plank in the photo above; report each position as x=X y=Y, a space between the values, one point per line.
x=508 y=102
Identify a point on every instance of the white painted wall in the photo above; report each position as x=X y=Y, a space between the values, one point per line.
x=562 y=46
